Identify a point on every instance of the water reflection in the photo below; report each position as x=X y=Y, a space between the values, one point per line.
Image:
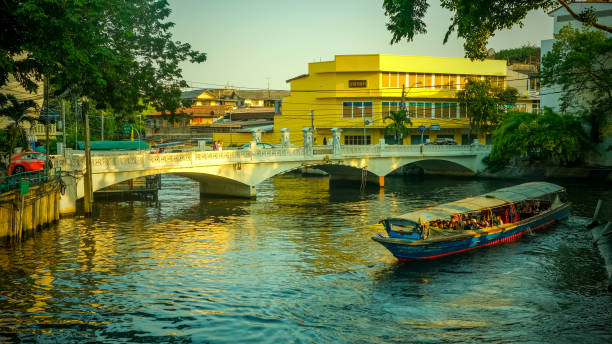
x=297 y=265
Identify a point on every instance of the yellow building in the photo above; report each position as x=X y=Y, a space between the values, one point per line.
x=354 y=92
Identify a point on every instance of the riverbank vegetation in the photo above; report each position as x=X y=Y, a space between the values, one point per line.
x=548 y=137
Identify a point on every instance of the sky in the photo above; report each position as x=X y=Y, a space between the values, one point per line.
x=256 y=43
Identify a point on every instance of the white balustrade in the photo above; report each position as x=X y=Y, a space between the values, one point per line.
x=131 y=161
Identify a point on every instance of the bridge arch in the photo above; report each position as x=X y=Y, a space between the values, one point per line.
x=209 y=182
x=440 y=167
x=237 y=172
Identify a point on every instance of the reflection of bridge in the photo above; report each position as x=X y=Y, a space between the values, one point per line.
x=237 y=172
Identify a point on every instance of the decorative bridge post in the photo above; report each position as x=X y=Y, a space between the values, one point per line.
x=285 y=138
x=257 y=135
x=381 y=146
x=337 y=147
x=307 y=141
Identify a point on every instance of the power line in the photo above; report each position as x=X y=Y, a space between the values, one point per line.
x=425 y=89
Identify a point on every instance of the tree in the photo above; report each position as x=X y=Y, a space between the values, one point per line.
x=485 y=104
x=118 y=54
x=580 y=63
x=548 y=137
x=399 y=125
x=17 y=112
x=524 y=54
x=474 y=21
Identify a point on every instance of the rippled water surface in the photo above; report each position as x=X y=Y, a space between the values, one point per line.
x=297 y=265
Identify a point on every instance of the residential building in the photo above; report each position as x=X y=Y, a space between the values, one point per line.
x=240 y=124
x=356 y=93
x=524 y=78
x=235 y=97
x=183 y=125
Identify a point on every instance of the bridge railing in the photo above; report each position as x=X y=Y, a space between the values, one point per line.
x=147 y=160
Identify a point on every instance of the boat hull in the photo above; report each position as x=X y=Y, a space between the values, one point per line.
x=407 y=250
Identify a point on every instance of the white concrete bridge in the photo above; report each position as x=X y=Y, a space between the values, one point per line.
x=237 y=172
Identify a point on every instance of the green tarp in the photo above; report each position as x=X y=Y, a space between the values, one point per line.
x=114 y=145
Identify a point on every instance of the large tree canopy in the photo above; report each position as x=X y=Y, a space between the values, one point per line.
x=548 y=137
x=475 y=21
x=119 y=54
x=580 y=62
x=485 y=104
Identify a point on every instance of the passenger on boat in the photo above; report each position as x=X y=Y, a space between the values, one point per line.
x=499 y=221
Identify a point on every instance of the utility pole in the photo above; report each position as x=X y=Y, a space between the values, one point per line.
x=403 y=106
x=46 y=105
x=102 y=129
x=76 y=123
x=64 y=126
x=312 y=120
x=268 y=89
x=364 y=131
x=88 y=175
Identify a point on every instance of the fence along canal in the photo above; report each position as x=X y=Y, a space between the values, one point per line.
x=28 y=201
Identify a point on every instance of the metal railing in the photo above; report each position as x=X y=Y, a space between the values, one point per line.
x=29 y=179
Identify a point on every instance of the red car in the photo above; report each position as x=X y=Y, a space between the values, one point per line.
x=28 y=161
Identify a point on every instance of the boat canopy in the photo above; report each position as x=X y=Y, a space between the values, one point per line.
x=533 y=190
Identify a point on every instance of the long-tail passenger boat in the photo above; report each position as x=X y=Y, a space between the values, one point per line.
x=496 y=217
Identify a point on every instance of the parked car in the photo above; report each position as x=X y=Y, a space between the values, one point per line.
x=259 y=145
x=28 y=161
x=443 y=141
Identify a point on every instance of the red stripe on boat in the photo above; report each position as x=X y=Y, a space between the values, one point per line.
x=508 y=239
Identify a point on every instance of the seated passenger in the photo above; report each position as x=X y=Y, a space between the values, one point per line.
x=460 y=225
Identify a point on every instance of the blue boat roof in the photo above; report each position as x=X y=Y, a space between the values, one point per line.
x=517 y=193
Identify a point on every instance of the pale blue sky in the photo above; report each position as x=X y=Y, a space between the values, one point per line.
x=248 y=41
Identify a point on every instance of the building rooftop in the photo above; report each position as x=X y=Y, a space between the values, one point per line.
x=201 y=111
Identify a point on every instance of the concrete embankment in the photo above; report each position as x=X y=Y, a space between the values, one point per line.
x=595 y=173
x=514 y=172
x=23 y=213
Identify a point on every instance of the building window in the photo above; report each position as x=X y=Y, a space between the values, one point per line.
x=357 y=109
x=433 y=110
x=394 y=80
x=357 y=140
x=387 y=107
x=358 y=83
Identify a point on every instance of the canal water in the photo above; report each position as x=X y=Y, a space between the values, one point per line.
x=297 y=265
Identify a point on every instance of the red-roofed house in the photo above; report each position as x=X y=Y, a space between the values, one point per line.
x=179 y=125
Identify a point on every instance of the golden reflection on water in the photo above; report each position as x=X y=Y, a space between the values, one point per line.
x=298 y=261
